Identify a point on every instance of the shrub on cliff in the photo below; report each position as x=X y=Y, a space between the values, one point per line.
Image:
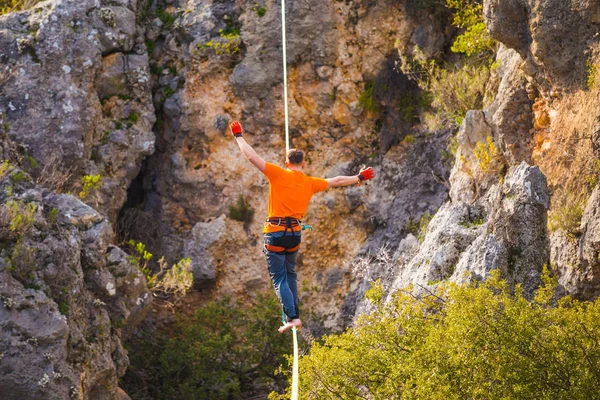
x=478 y=341
x=224 y=350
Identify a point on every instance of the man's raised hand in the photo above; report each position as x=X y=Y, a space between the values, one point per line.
x=365 y=174
x=236 y=129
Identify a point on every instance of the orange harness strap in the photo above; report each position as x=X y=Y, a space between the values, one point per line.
x=280 y=249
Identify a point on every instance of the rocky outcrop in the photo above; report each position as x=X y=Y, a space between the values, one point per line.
x=505 y=229
x=575 y=256
x=558 y=44
x=79 y=93
x=553 y=36
x=69 y=297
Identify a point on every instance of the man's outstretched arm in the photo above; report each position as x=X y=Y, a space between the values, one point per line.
x=339 y=181
x=247 y=150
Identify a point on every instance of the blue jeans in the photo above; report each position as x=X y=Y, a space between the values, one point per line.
x=282 y=269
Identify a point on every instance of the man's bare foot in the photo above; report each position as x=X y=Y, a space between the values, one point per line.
x=295 y=323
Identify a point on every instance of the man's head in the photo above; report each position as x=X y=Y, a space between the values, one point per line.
x=295 y=158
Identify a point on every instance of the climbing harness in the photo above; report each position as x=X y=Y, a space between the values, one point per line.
x=289 y=242
x=287 y=148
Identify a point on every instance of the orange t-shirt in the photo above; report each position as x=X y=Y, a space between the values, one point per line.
x=289 y=194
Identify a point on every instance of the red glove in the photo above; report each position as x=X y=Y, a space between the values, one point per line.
x=365 y=175
x=236 y=129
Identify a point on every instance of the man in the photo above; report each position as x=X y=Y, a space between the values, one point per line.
x=289 y=194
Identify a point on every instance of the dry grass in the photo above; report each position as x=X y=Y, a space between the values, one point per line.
x=55 y=176
x=8 y=6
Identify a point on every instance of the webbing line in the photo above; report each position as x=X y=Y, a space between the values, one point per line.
x=285 y=85
x=287 y=147
x=295 y=364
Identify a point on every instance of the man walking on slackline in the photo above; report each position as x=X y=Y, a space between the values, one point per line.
x=289 y=194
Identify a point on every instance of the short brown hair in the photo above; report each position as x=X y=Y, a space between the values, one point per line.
x=295 y=156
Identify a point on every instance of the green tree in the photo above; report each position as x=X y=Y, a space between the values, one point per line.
x=468 y=15
x=223 y=350
x=481 y=341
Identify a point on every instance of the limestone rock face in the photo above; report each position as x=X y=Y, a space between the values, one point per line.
x=506 y=230
x=79 y=93
x=576 y=257
x=68 y=297
x=558 y=45
x=552 y=35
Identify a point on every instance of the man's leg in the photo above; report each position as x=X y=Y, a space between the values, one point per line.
x=277 y=270
x=290 y=266
x=290 y=270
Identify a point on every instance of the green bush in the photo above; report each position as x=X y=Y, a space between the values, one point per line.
x=568 y=216
x=91 y=183
x=4 y=167
x=166 y=18
x=475 y=39
x=225 y=350
x=458 y=90
x=481 y=341
x=260 y=11
x=242 y=211
x=133 y=117
x=229 y=42
x=366 y=99
x=486 y=155
x=592 y=74
x=409 y=139
x=21 y=215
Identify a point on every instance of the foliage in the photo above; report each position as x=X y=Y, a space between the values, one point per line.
x=481 y=341
x=21 y=215
x=18 y=176
x=591 y=177
x=568 y=216
x=453 y=90
x=409 y=139
x=472 y=222
x=150 y=45
x=166 y=18
x=242 y=211
x=133 y=117
x=175 y=281
x=140 y=257
x=459 y=86
x=220 y=352
x=459 y=90
x=449 y=153
x=4 y=167
x=53 y=215
x=229 y=42
x=592 y=74
x=7 y=6
x=419 y=227
x=260 y=11
x=423 y=224
x=475 y=39
x=366 y=99
x=91 y=183
x=486 y=154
